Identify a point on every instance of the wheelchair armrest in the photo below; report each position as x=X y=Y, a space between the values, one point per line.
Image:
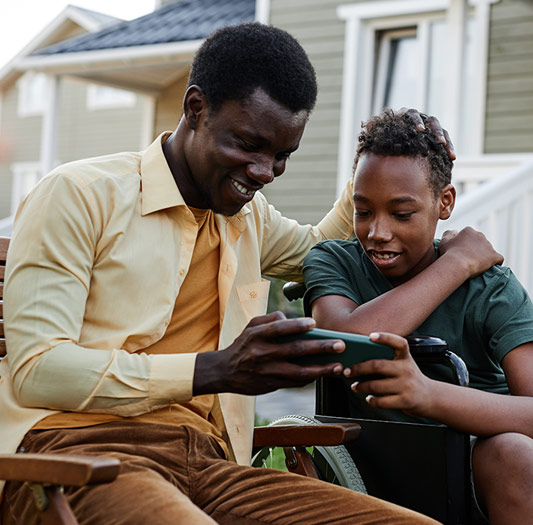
x=57 y=469
x=305 y=435
x=293 y=290
x=433 y=349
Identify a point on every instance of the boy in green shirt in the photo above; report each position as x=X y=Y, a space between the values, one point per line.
x=395 y=280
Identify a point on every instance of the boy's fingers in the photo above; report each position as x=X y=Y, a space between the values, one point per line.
x=397 y=342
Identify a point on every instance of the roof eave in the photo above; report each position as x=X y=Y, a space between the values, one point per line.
x=107 y=58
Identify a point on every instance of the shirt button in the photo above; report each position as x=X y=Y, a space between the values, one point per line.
x=253 y=295
x=181 y=272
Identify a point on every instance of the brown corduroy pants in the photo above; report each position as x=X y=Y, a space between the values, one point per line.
x=177 y=475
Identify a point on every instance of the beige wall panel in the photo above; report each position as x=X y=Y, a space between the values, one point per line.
x=169 y=106
x=509 y=115
x=86 y=133
x=307 y=190
x=21 y=137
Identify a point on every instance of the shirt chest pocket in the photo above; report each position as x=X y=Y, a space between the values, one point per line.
x=254 y=298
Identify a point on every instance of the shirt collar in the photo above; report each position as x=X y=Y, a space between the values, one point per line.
x=160 y=191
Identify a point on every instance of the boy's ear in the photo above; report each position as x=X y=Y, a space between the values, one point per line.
x=194 y=106
x=446 y=202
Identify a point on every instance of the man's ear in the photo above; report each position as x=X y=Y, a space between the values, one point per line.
x=446 y=202
x=194 y=106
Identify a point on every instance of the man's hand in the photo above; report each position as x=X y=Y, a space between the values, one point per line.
x=472 y=250
x=255 y=363
x=403 y=386
x=434 y=125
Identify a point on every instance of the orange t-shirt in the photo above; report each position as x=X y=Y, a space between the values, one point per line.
x=194 y=327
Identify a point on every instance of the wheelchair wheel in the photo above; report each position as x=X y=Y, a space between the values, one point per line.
x=333 y=464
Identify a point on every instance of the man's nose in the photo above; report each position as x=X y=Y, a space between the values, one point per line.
x=261 y=170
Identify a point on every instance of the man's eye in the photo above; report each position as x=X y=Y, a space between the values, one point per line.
x=283 y=157
x=247 y=146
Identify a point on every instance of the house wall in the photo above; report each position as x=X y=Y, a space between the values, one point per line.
x=509 y=124
x=307 y=189
x=21 y=137
x=88 y=133
x=81 y=133
x=169 y=106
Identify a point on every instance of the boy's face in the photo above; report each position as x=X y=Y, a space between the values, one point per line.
x=396 y=213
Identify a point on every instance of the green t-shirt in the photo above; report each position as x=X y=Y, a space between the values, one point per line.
x=483 y=320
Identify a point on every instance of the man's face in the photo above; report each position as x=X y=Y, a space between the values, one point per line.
x=396 y=214
x=235 y=151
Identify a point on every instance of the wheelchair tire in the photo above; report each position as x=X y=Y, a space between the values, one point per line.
x=334 y=464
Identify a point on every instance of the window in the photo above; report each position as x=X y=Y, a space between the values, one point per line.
x=411 y=71
x=106 y=97
x=404 y=54
x=25 y=177
x=33 y=90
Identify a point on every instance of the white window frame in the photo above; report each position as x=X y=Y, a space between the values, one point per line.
x=362 y=21
x=97 y=100
x=27 y=105
x=21 y=172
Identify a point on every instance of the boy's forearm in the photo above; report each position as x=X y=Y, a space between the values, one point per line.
x=477 y=412
x=404 y=308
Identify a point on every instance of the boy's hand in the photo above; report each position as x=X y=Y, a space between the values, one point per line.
x=403 y=387
x=255 y=363
x=472 y=249
x=434 y=125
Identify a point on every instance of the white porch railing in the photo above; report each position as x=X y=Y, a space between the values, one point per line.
x=502 y=209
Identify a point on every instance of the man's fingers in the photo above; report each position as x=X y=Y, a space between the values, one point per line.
x=449 y=145
x=267 y=318
x=414 y=115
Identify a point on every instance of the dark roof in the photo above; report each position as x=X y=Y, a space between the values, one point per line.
x=176 y=22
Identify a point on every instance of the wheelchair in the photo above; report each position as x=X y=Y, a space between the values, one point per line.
x=422 y=465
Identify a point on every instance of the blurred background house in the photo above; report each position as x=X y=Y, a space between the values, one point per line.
x=89 y=84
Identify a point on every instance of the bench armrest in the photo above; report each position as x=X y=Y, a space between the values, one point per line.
x=56 y=469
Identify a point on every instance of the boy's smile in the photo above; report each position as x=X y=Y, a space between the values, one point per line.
x=396 y=213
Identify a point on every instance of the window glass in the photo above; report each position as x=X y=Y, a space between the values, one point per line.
x=106 y=97
x=33 y=89
x=25 y=177
x=400 y=85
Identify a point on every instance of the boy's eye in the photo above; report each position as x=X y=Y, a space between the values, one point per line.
x=403 y=216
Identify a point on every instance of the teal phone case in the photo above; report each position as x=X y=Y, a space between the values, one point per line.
x=358 y=348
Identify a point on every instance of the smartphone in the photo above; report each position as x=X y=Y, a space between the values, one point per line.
x=358 y=348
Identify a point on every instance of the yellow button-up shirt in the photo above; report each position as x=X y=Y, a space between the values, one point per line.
x=99 y=251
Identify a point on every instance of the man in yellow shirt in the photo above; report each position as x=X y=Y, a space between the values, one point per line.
x=125 y=272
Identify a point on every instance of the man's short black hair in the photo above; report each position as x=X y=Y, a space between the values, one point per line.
x=236 y=60
x=395 y=134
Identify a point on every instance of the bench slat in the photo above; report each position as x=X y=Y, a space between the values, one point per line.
x=4 y=244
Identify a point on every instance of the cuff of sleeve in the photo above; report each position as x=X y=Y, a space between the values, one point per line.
x=171 y=378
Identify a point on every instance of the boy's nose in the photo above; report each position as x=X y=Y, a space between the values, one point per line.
x=379 y=231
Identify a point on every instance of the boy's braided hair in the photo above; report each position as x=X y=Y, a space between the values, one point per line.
x=394 y=134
